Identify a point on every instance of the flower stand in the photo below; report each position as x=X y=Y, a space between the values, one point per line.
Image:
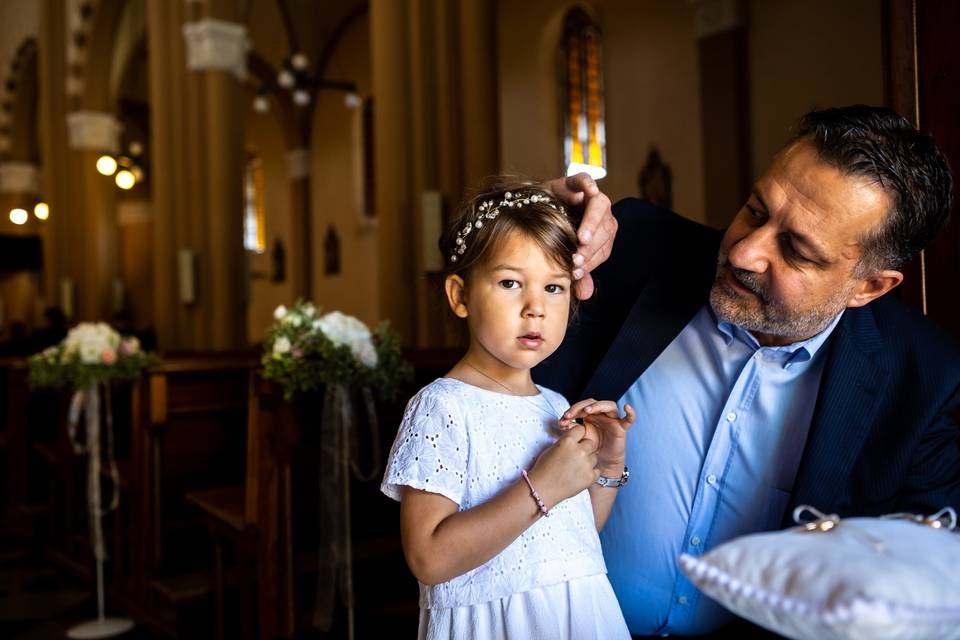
x=88 y=401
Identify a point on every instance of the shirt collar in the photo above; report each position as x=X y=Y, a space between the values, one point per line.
x=796 y=352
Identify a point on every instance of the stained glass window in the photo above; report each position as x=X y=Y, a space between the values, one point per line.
x=585 y=146
x=254 y=218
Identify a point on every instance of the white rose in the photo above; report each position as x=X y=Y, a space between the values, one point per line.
x=281 y=345
x=279 y=312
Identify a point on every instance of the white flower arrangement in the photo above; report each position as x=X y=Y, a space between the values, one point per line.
x=306 y=349
x=92 y=352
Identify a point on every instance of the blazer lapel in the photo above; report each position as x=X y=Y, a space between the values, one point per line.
x=658 y=315
x=853 y=379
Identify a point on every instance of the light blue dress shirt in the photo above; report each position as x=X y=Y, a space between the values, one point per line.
x=721 y=425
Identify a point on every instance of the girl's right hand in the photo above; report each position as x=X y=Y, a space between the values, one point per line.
x=566 y=467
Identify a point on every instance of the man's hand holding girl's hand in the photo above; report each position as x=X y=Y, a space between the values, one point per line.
x=603 y=422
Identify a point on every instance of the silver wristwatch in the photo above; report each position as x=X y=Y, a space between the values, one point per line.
x=616 y=483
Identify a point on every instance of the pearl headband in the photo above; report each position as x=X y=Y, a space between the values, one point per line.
x=490 y=209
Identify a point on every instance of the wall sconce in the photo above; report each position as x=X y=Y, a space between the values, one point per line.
x=126 y=170
x=20 y=216
x=293 y=77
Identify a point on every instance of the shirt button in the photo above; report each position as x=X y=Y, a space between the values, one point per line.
x=712 y=480
x=758 y=355
x=695 y=540
x=731 y=416
x=682 y=599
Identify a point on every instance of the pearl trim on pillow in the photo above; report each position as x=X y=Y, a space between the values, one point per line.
x=854 y=579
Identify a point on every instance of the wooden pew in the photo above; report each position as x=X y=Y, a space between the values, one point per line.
x=37 y=506
x=265 y=519
x=249 y=517
x=190 y=433
x=18 y=504
x=231 y=514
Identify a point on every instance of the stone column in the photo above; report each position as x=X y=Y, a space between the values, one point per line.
x=52 y=105
x=434 y=82
x=393 y=154
x=195 y=61
x=91 y=260
x=725 y=107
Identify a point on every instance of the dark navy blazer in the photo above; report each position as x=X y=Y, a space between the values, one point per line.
x=883 y=437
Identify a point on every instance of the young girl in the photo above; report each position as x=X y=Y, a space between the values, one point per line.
x=499 y=513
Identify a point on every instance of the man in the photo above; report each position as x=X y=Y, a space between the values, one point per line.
x=768 y=367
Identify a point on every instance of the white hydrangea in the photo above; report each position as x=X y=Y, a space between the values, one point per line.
x=281 y=345
x=92 y=340
x=344 y=330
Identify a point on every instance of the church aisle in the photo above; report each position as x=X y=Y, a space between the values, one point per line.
x=38 y=602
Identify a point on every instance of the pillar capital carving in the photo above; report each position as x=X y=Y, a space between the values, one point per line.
x=217 y=45
x=19 y=177
x=93 y=131
x=716 y=16
x=298 y=163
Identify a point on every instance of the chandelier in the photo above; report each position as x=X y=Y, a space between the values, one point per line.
x=295 y=78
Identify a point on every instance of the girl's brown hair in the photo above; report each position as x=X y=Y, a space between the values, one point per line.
x=542 y=219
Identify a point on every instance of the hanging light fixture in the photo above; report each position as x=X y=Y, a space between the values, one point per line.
x=127 y=170
x=41 y=210
x=261 y=104
x=107 y=165
x=294 y=77
x=125 y=179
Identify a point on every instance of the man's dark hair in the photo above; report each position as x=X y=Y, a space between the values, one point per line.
x=882 y=146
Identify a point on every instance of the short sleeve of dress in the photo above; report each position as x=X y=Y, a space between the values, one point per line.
x=430 y=451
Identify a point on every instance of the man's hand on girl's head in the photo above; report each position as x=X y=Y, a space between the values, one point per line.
x=598 y=228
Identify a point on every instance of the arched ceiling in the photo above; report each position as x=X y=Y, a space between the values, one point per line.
x=278 y=27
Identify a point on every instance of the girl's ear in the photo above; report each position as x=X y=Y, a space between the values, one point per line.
x=456 y=295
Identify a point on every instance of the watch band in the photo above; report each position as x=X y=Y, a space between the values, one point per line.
x=616 y=483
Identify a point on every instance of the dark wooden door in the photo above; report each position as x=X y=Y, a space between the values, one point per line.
x=923 y=83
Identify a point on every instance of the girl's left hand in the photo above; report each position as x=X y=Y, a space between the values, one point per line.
x=603 y=417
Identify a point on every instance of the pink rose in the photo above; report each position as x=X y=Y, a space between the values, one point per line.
x=109 y=356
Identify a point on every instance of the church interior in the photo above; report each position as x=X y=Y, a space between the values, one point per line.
x=179 y=169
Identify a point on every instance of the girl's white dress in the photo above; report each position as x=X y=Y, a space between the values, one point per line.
x=468 y=444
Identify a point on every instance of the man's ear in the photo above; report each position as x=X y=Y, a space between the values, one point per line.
x=874 y=286
x=456 y=295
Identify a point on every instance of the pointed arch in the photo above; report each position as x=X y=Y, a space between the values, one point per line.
x=20 y=105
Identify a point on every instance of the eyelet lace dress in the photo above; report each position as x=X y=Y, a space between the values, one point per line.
x=468 y=444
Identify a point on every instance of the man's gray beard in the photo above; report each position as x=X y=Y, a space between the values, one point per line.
x=772 y=317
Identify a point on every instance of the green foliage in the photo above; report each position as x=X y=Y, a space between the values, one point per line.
x=301 y=357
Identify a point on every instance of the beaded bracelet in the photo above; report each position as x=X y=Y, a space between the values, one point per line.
x=536 y=496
